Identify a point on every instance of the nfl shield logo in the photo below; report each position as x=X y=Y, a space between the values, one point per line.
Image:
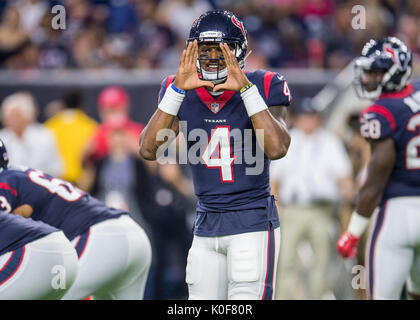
x=215 y=107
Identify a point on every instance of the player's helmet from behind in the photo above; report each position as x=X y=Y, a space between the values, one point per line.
x=389 y=55
x=219 y=26
x=4 y=158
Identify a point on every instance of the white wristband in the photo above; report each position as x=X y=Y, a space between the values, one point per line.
x=253 y=101
x=171 y=101
x=357 y=224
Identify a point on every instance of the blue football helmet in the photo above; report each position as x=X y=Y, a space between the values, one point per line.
x=219 y=26
x=4 y=158
x=389 y=55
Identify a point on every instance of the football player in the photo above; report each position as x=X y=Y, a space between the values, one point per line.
x=37 y=261
x=114 y=252
x=392 y=127
x=236 y=233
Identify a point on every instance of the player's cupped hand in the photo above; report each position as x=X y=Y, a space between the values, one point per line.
x=236 y=79
x=187 y=77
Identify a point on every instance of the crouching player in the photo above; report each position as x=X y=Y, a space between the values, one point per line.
x=37 y=261
x=114 y=252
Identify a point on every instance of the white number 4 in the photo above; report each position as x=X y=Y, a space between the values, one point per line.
x=220 y=141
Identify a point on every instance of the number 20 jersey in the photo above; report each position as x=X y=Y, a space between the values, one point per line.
x=397 y=116
x=229 y=187
x=55 y=202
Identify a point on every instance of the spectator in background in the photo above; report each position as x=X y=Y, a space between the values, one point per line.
x=113 y=103
x=179 y=15
x=154 y=42
x=29 y=143
x=73 y=129
x=12 y=36
x=32 y=11
x=309 y=182
x=409 y=32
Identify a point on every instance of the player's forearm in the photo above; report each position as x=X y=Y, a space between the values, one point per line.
x=368 y=199
x=379 y=169
x=149 y=142
x=275 y=139
x=276 y=136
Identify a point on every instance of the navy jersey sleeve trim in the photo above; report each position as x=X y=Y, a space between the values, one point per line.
x=164 y=85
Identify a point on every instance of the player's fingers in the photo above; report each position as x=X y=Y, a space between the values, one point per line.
x=207 y=84
x=226 y=56
x=232 y=58
x=194 y=55
x=183 y=57
x=188 y=53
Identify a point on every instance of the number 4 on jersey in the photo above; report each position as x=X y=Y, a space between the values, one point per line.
x=220 y=141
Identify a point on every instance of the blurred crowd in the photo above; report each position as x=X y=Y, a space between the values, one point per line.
x=101 y=155
x=150 y=34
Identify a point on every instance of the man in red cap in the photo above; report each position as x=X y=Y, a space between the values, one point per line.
x=113 y=106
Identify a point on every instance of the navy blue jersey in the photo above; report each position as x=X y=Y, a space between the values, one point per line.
x=223 y=181
x=54 y=201
x=16 y=231
x=397 y=116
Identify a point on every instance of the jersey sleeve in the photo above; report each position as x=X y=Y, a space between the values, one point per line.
x=278 y=93
x=377 y=123
x=165 y=84
x=272 y=87
x=8 y=197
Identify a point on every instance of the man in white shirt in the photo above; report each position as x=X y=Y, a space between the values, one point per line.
x=308 y=182
x=29 y=143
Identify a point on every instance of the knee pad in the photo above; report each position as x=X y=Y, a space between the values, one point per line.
x=193 y=270
x=244 y=265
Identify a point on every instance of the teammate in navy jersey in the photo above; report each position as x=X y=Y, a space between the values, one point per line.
x=226 y=116
x=392 y=127
x=31 y=255
x=114 y=252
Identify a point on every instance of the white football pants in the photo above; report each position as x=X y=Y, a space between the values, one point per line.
x=42 y=269
x=393 y=250
x=114 y=261
x=241 y=266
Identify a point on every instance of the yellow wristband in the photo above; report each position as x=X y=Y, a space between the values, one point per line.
x=243 y=89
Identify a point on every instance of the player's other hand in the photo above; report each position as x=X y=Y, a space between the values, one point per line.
x=236 y=79
x=347 y=245
x=187 y=77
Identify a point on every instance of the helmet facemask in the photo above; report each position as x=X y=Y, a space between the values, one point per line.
x=218 y=75
x=362 y=65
